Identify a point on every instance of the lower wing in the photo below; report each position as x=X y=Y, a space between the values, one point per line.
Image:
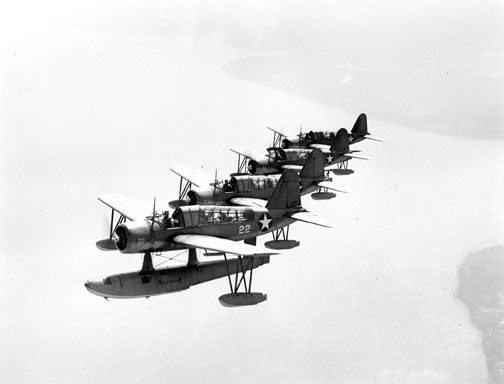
x=217 y=244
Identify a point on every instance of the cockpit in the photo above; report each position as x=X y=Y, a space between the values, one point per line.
x=195 y=215
x=276 y=154
x=254 y=183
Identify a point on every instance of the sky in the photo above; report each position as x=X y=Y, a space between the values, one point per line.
x=99 y=98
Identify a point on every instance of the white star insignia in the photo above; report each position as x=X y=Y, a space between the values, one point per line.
x=330 y=159
x=265 y=222
x=350 y=138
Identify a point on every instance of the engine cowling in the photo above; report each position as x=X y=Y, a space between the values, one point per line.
x=134 y=237
x=252 y=167
x=200 y=196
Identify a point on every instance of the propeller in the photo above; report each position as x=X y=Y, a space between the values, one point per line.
x=153 y=213
x=215 y=184
x=153 y=217
x=300 y=135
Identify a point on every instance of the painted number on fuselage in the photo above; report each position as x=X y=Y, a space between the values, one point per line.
x=243 y=229
x=141 y=240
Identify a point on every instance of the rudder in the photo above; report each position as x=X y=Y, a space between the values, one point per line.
x=360 y=127
x=286 y=193
x=314 y=166
x=341 y=144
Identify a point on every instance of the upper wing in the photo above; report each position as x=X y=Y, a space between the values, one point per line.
x=330 y=185
x=194 y=176
x=249 y=202
x=130 y=208
x=247 y=153
x=278 y=131
x=222 y=245
x=309 y=217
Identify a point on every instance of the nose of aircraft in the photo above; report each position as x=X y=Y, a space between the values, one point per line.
x=95 y=287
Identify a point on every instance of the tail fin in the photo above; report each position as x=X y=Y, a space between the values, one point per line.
x=341 y=144
x=286 y=193
x=314 y=166
x=360 y=127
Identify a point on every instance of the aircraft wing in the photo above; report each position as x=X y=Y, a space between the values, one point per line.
x=254 y=155
x=278 y=131
x=217 y=244
x=311 y=218
x=297 y=168
x=249 y=202
x=194 y=176
x=332 y=186
x=130 y=208
x=356 y=157
x=368 y=137
x=322 y=147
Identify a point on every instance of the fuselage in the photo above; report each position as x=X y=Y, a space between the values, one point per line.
x=249 y=186
x=233 y=223
x=317 y=137
x=252 y=186
x=278 y=157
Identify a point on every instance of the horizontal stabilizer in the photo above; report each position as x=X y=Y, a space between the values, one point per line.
x=195 y=176
x=357 y=157
x=129 y=208
x=332 y=186
x=311 y=218
x=248 y=202
x=217 y=244
x=374 y=138
x=332 y=167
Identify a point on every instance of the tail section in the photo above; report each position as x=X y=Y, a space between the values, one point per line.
x=286 y=193
x=360 y=127
x=341 y=144
x=314 y=166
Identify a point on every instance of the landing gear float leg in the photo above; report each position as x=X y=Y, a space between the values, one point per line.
x=246 y=297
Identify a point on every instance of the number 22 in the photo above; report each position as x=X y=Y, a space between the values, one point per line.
x=243 y=229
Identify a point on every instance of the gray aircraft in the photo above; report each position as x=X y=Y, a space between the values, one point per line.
x=336 y=157
x=251 y=190
x=215 y=229
x=313 y=138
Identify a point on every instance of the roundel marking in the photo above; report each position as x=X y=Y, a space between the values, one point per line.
x=265 y=222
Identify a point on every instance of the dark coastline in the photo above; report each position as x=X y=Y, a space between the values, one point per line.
x=481 y=289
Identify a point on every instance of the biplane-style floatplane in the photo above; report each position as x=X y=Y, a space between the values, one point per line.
x=277 y=159
x=251 y=190
x=217 y=230
x=313 y=139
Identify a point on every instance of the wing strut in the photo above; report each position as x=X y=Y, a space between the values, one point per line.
x=281 y=239
x=246 y=297
x=109 y=244
x=242 y=164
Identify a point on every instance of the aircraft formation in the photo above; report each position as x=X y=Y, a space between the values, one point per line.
x=224 y=218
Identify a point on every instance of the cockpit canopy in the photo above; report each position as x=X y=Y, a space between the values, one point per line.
x=319 y=135
x=196 y=215
x=248 y=183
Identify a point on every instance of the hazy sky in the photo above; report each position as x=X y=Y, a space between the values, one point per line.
x=105 y=97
